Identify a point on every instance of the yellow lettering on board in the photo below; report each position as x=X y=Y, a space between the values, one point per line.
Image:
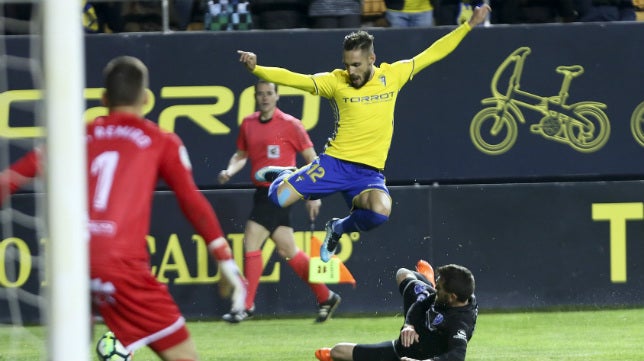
x=617 y=214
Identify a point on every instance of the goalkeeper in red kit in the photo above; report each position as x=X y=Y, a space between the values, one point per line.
x=126 y=156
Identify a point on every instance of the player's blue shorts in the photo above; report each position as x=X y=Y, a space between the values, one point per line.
x=327 y=175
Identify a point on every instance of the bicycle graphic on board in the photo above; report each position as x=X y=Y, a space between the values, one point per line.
x=584 y=126
x=637 y=124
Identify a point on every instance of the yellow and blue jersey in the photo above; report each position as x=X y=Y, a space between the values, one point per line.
x=364 y=116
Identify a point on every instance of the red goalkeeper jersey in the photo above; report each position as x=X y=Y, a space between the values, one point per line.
x=276 y=142
x=126 y=156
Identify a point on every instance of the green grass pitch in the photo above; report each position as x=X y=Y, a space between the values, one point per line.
x=597 y=335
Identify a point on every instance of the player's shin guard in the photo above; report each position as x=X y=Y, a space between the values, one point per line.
x=272 y=189
x=359 y=220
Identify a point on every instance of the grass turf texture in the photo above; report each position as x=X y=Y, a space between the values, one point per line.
x=529 y=336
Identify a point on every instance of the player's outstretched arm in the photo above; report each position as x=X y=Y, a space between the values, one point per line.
x=479 y=15
x=445 y=45
x=276 y=75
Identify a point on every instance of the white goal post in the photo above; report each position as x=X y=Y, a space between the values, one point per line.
x=67 y=270
x=51 y=67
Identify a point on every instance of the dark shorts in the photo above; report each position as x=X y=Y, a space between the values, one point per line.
x=327 y=175
x=267 y=213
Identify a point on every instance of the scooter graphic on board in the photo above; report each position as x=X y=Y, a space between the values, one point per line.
x=584 y=125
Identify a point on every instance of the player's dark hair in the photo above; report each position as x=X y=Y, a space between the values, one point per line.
x=125 y=79
x=262 y=81
x=458 y=280
x=359 y=40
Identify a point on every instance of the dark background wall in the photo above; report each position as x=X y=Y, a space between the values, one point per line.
x=529 y=222
x=530 y=246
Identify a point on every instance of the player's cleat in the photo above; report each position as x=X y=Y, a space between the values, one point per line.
x=331 y=240
x=323 y=354
x=424 y=268
x=237 y=317
x=326 y=309
x=271 y=172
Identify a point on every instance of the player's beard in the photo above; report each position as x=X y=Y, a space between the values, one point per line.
x=362 y=80
x=441 y=301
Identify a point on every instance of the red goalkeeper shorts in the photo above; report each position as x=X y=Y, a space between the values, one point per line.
x=135 y=306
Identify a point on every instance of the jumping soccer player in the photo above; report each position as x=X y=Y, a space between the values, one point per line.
x=363 y=97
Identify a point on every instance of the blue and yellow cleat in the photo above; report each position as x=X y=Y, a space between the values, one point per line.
x=331 y=241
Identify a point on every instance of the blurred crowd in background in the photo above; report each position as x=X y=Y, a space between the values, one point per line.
x=231 y=15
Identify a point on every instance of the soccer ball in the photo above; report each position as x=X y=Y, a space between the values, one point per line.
x=109 y=348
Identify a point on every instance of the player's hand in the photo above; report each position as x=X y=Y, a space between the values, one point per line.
x=223 y=176
x=313 y=208
x=408 y=335
x=249 y=59
x=480 y=14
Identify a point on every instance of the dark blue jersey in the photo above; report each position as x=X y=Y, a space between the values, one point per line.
x=443 y=331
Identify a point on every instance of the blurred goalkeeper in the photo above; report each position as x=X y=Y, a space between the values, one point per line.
x=126 y=155
x=363 y=97
x=440 y=316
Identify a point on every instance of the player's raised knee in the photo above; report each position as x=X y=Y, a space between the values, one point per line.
x=367 y=219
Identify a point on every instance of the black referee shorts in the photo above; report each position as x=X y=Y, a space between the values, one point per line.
x=267 y=213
